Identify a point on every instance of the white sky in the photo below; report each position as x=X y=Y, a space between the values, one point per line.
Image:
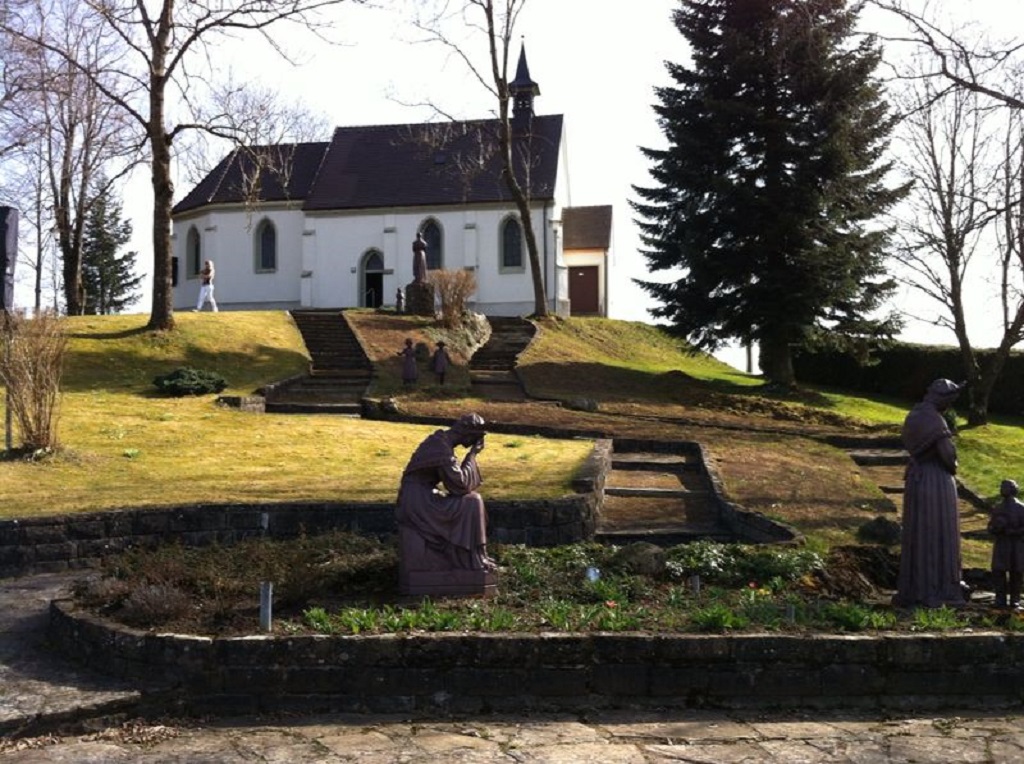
x=596 y=61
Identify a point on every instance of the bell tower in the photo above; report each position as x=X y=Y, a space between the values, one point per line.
x=523 y=90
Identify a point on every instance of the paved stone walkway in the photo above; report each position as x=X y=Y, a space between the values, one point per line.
x=39 y=692
x=605 y=738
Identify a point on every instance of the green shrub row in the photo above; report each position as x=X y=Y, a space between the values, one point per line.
x=905 y=370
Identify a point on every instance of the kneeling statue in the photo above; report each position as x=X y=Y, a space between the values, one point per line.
x=442 y=521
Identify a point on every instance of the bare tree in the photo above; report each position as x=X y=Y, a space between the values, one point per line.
x=14 y=134
x=961 y=58
x=171 y=48
x=77 y=133
x=494 y=21
x=967 y=177
x=257 y=124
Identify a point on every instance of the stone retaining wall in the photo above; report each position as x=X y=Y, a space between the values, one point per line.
x=472 y=673
x=62 y=542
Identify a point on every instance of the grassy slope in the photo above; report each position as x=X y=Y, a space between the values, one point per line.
x=633 y=368
x=129 y=448
x=124 y=447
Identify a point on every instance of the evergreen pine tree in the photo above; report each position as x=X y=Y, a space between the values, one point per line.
x=763 y=205
x=109 y=279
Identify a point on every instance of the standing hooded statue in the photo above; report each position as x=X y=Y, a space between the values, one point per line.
x=930 y=547
x=452 y=521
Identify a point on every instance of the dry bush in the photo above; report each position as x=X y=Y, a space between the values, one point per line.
x=454 y=289
x=152 y=605
x=30 y=367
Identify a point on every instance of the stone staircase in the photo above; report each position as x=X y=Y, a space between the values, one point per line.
x=663 y=499
x=339 y=370
x=492 y=368
x=885 y=465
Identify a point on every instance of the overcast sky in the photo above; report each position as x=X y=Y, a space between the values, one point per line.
x=596 y=61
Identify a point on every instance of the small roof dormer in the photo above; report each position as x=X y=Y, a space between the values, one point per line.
x=523 y=90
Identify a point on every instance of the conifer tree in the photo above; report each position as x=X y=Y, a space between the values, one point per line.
x=764 y=203
x=109 y=279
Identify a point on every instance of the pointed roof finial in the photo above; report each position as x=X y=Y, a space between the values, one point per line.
x=522 y=83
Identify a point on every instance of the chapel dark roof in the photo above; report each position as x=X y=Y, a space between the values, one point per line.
x=426 y=164
x=587 y=227
x=227 y=182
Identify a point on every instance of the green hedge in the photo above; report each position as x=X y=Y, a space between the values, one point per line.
x=905 y=371
x=188 y=381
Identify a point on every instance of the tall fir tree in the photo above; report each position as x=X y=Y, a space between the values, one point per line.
x=764 y=204
x=109 y=279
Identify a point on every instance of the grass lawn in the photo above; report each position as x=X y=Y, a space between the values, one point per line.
x=125 y=447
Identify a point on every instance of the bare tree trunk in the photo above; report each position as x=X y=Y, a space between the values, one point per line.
x=162 y=313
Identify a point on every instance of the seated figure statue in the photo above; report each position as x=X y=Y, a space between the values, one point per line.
x=442 y=522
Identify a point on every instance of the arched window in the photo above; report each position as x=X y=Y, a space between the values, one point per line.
x=435 y=244
x=266 y=247
x=193 y=252
x=511 y=245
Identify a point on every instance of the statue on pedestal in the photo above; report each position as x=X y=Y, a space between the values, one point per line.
x=1007 y=526
x=419 y=259
x=442 y=521
x=419 y=294
x=930 y=568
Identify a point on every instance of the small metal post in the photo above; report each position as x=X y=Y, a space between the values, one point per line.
x=695 y=584
x=266 y=604
x=790 y=613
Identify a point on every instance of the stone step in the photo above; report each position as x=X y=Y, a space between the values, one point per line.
x=341 y=367
x=655 y=493
x=509 y=337
x=488 y=376
x=647 y=461
x=879 y=457
x=665 y=537
x=308 y=407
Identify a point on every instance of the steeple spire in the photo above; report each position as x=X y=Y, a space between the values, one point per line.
x=522 y=89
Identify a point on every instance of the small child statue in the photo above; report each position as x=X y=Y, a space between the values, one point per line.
x=1007 y=525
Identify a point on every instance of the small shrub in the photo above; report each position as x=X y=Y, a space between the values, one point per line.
x=318 y=619
x=718 y=617
x=764 y=563
x=153 y=605
x=937 y=619
x=708 y=559
x=758 y=606
x=453 y=288
x=852 y=616
x=31 y=365
x=104 y=593
x=188 y=381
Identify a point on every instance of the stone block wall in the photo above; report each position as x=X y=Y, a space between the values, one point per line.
x=63 y=542
x=474 y=673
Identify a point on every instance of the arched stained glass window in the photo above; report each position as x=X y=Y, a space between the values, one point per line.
x=511 y=244
x=193 y=252
x=435 y=244
x=266 y=246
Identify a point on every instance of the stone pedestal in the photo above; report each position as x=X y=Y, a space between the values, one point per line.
x=419 y=299
x=448 y=583
x=425 y=572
